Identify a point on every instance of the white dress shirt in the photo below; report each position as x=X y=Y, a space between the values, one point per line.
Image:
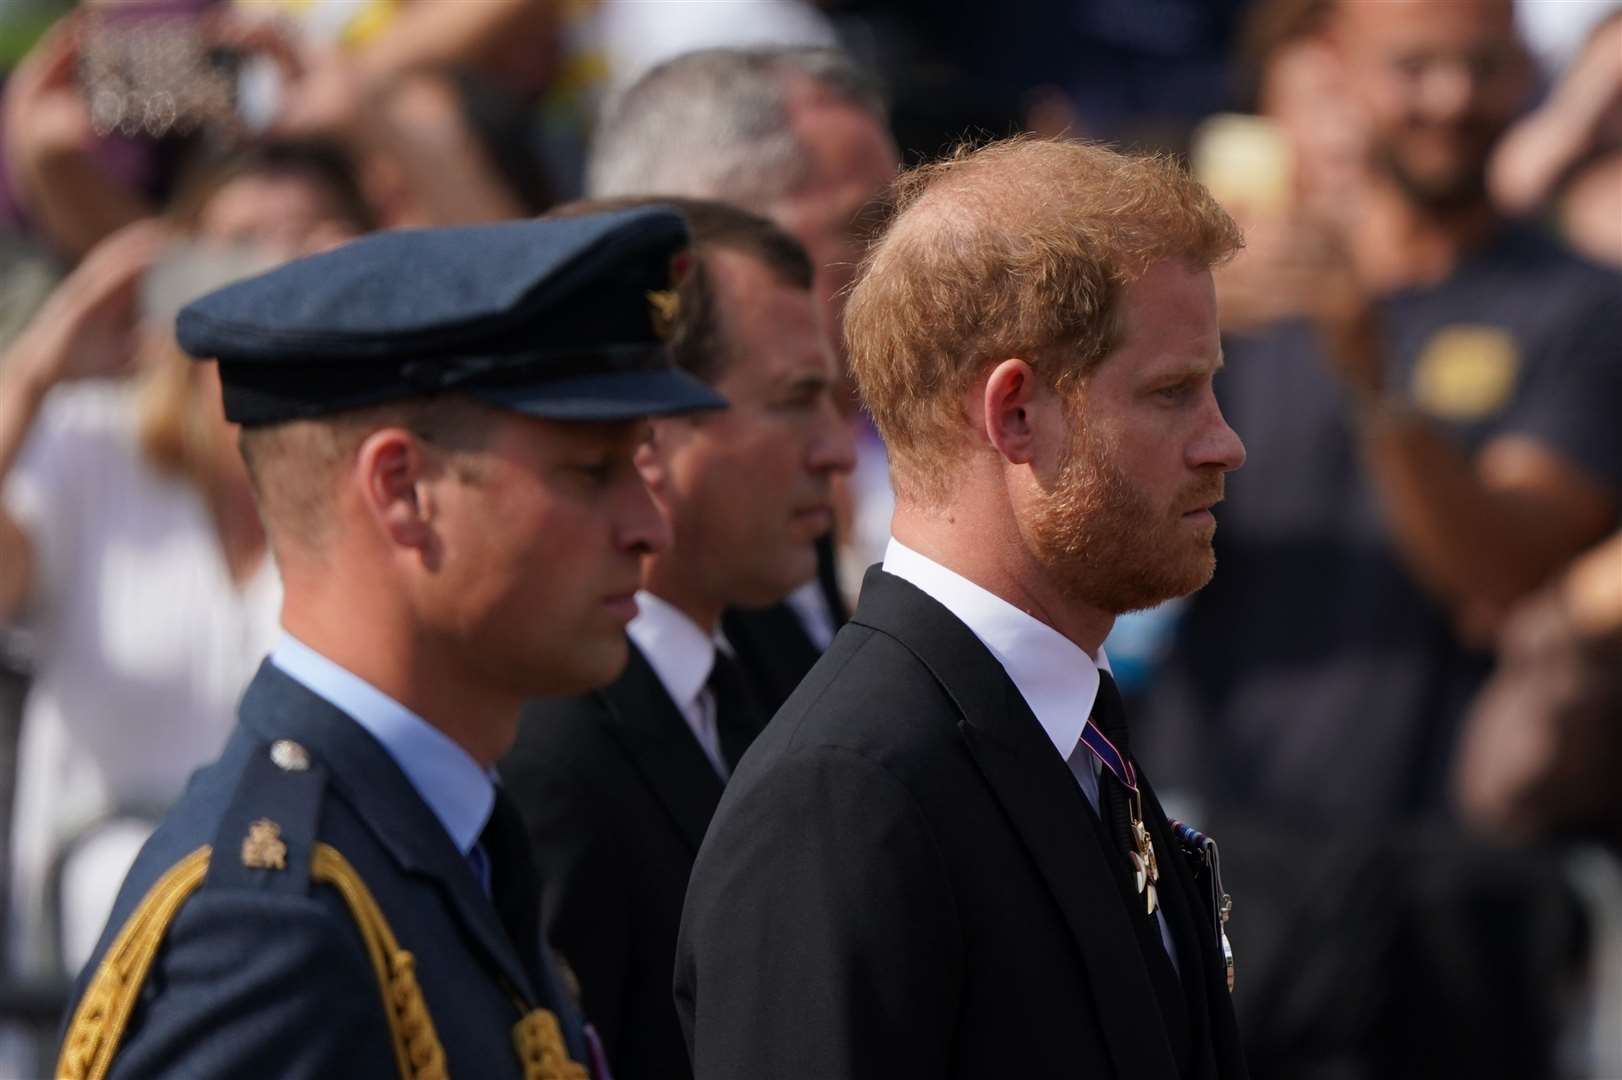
x=1055 y=676
x=682 y=656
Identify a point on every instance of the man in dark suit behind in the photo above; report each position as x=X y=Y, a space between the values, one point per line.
x=940 y=860
x=800 y=136
x=617 y=786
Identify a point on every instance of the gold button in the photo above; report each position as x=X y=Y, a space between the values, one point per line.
x=289 y=755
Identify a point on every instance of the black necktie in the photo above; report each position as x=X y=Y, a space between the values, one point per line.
x=737 y=718
x=516 y=893
x=1109 y=714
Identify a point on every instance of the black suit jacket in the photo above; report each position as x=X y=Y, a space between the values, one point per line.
x=616 y=794
x=903 y=879
x=773 y=649
x=773 y=644
x=263 y=973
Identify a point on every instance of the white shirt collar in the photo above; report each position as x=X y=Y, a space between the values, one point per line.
x=679 y=651
x=456 y=789
x=1057 y=679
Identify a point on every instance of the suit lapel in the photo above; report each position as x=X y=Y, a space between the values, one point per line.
x=644 y=720
x=277 y=707
x=1040 y=796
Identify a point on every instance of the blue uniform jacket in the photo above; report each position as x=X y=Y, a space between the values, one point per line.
x=264 y=974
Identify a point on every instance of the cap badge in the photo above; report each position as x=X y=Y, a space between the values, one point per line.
x=664 y=307
x=263 y=849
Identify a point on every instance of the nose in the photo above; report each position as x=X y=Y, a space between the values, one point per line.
x=640 y=527
x=1218 y=445
x=1447 y=91
x=832 y=446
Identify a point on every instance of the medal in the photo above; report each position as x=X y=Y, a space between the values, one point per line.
x=1203 y=850
x=1227 y=947
x=1145 y=868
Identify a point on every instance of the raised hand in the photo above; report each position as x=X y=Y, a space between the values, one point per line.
x=320 y=91
x=45 y=109
x=86 y=327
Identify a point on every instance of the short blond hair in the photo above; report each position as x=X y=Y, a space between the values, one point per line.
x=294 y=466
x=1019 y=248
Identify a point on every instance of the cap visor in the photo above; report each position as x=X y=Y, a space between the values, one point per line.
x=623 y=395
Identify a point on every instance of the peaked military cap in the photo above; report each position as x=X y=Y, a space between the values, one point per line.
x=562 y=319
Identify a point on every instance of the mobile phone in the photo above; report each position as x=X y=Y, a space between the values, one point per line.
x=1245 y=162
x=147 y=70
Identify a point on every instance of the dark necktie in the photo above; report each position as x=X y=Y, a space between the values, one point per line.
x=1114 y=804
x=737 y=718
x=513 y=889
x=515 y=892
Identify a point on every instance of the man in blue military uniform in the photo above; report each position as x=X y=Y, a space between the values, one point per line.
x=440 y=426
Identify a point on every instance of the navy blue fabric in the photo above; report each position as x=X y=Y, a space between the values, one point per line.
x=434 y=289
x=1313 y=677
x=524 y=309
x=257 y=981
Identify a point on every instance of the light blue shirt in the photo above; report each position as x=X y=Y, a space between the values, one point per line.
x=456 y=789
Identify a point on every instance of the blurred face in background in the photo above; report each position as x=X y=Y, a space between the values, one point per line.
x=284 y=212
x=854 y=159
x=250 y=223
x=1438 y=82
x=1304 y=91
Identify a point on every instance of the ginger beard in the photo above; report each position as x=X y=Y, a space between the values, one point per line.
x=1102 y=539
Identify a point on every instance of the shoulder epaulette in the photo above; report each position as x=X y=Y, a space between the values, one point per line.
x=267 y=840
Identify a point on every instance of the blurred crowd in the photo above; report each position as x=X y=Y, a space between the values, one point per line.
x=1399 y=704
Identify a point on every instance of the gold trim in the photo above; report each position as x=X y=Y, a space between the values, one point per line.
x=98 y=1024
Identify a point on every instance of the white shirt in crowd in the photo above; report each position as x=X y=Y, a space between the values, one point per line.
x=142 y=643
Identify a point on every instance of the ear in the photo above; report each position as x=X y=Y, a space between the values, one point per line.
x=392 y=473
x=1007 y=402
x=651 y=456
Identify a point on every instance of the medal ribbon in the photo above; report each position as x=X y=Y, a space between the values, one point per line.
x=1109 y=756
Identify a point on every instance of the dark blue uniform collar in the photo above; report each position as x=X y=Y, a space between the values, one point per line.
x=361 y=771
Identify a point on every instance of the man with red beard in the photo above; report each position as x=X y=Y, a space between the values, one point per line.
x=940 y=859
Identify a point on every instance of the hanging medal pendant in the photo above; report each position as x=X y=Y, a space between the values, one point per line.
x=1146 y=870
x=1226 y=909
